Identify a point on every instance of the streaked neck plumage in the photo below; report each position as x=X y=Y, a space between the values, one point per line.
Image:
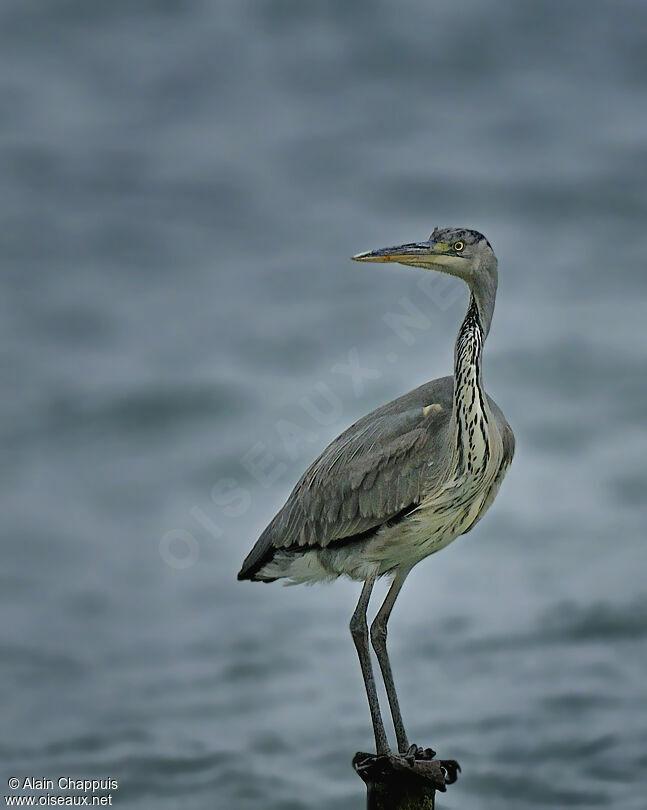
x=471 y=413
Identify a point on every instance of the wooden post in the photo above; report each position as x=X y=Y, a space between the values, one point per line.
x=397 y=783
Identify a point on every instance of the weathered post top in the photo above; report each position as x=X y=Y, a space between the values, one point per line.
x=393 y=783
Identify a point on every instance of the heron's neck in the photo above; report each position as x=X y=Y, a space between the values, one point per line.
x=470 y=410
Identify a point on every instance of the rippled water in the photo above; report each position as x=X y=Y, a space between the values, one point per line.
x=182 y=183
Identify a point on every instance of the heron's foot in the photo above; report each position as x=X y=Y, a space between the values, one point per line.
x=415 y=752
x=449 y=767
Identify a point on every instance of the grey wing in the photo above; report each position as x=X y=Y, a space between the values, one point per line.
x=508 y=445
x=507 y=435
x=367 y=476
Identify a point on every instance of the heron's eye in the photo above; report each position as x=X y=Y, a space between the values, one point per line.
x=458 y=246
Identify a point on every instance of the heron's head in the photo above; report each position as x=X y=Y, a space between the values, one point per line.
x=458 y=251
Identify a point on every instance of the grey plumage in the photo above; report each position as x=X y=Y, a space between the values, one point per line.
x=404 y=480
x=368 y=475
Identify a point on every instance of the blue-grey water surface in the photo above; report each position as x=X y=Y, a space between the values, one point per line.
x=181 y=185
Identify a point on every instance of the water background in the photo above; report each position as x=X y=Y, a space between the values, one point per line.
x=181 y=185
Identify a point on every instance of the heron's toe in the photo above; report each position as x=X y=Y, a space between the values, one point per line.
x=415 y=752
x=451 y=769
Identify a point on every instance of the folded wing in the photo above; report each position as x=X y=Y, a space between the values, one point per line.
x=373 y=472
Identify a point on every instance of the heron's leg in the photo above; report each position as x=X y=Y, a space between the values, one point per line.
x=378 y=639
x=359 y=631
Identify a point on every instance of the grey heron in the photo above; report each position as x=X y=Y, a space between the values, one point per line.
x=403 y=481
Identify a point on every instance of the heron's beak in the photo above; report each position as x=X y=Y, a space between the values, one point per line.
x=431 y=255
